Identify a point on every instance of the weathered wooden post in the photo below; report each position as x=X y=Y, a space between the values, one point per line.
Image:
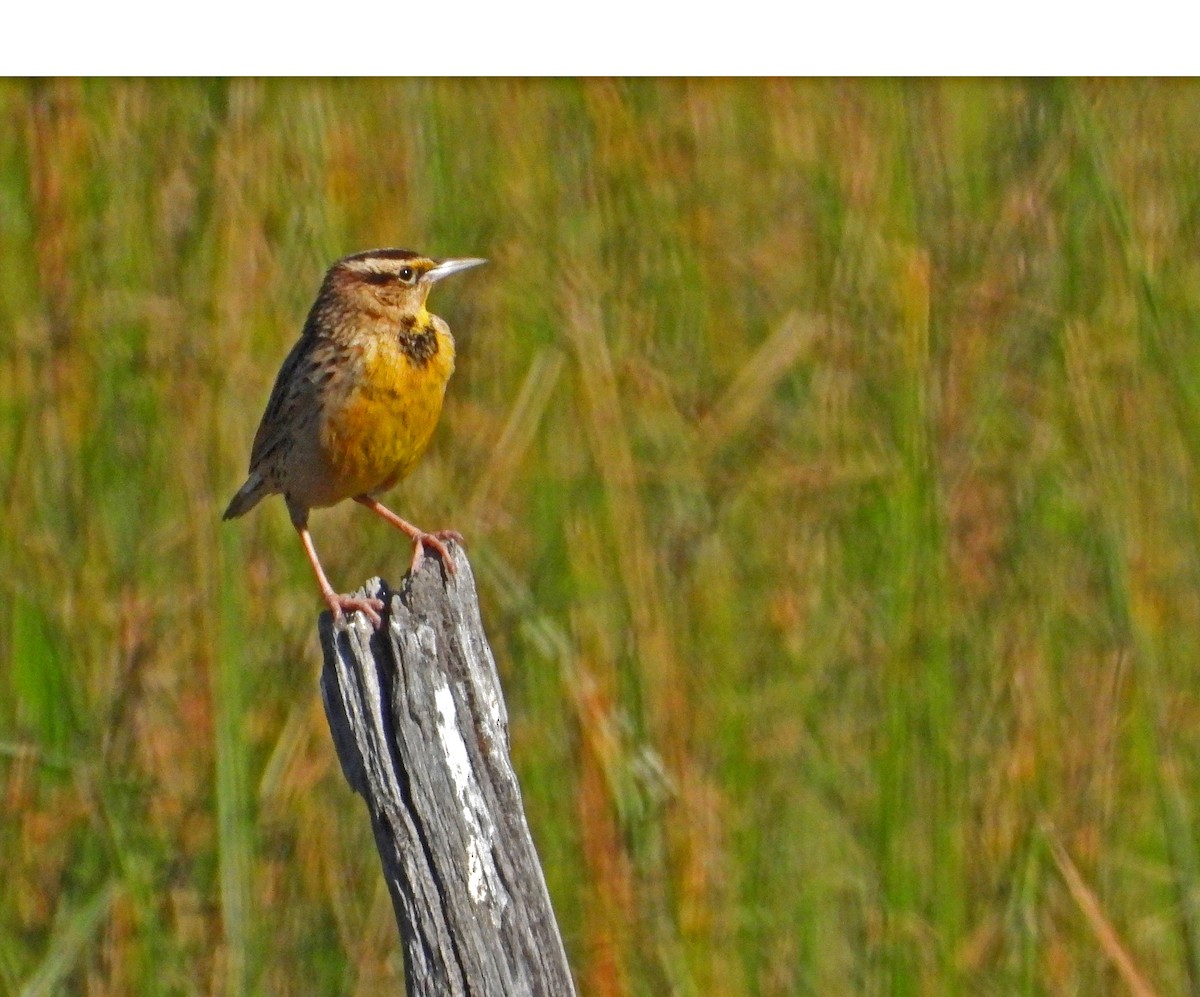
x=420 y=726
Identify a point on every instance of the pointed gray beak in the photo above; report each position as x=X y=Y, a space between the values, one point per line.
x=447 y=267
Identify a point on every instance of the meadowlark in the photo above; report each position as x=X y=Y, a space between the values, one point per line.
x=356 y=402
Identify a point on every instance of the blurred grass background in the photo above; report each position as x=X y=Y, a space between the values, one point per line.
x=827 y=454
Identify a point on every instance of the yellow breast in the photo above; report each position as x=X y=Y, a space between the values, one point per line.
x=383 y=423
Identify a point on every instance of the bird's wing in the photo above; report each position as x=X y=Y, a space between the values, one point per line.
x=294 y=399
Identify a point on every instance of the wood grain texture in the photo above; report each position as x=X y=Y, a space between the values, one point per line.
x=419 y=723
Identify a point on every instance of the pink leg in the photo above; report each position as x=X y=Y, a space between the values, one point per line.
x=338 y=603
x=420 y=538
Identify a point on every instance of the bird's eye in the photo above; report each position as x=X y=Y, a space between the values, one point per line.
x=406 y=275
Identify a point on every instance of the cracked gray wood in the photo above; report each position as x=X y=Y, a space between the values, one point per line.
x=420 y=727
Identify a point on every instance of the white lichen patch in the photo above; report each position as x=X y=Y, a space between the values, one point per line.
x=483 y=882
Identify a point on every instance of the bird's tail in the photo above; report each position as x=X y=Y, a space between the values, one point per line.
x=248 y=496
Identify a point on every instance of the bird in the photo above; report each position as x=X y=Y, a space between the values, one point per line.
x=356 y=402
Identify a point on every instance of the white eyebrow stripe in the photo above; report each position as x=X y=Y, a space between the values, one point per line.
x=383 y=266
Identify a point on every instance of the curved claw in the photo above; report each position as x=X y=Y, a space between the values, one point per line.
x=436 y=540
x=370 y=608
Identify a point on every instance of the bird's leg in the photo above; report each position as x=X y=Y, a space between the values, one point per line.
x=337 y=603
x=420 y=538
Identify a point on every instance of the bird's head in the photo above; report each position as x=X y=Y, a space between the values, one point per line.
x=390 y=283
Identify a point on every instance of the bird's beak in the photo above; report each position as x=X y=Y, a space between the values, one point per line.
x=448 y=267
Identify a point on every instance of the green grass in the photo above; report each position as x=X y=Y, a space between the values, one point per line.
x=827 y=454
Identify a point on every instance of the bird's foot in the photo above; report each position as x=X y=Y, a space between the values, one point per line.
x=370 y=608
x=437 y=541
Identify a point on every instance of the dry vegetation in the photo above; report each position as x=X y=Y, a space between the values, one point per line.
x=827 y=454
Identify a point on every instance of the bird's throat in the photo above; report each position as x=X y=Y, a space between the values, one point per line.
x=417 y=338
